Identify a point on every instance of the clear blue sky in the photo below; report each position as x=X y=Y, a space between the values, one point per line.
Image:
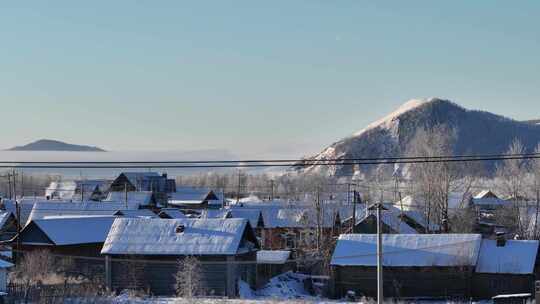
x=280 y=77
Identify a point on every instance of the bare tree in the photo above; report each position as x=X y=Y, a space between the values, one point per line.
x=535 y=187
x=188 y=278
x=511 y=174
x=434 y=183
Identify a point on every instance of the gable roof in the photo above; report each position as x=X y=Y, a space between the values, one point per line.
x=408 y=250
x=45 y=209
x=159 y=237
x=273 y=256
x=135 y=177
x=72 y=231
x=252 y=215
x=217 y=214
x=516 y=257
x=194 y=195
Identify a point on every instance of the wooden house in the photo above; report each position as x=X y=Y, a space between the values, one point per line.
x=69 y=236
x=195 y=198
x=417 y=265
x=226 y=249
x=505 y=267
x=160 y=185
x=78 y=190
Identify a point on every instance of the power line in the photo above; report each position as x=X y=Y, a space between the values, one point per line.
x=269 y=163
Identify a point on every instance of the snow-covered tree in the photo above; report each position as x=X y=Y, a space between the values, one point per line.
x=188 y=278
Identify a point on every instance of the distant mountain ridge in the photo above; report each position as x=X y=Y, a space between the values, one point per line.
x=478 y=132
x=55 y=145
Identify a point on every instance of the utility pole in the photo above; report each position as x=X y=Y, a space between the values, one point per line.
x=238 y=189
x=126 y=195
x=271 y=189
x=380 y=283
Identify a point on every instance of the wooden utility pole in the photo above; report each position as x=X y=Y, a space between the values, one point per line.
x=380 y=283
x=271 y=189
x=238 y=189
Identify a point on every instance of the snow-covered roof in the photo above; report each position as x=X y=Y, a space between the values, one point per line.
x=67 y=190
x=5 y=264
x=172 y=213
x=136 y=213
x=516 y=257
x=273 y=256
x=217 y=214
x=4 y=217
x=142 y=198
x=490 y=201
x=252 y=215
x=25 y=208
x=194 y=195
x=160 y=237
x=74 y=230
x=485 y=194
x=48 y=208
x=406 y=250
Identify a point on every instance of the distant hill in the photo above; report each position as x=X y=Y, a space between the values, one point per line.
x=55 y=145
x=478 y=133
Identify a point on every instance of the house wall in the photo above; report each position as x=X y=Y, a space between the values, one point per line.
x=486 y=285
x=3 y=279
x=403 y=281
x=156 y=274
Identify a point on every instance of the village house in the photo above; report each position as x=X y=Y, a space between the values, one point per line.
x=156 y=245
x=4 y=267
x=160 y=185
x=505 y=267
x=195 y=198
x=417 y=265
x=69 y=236
x=78 y=190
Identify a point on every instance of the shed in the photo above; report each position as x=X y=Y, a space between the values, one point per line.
x=271 y=263
x=156 y=245
x=505 y=267
x=415 y=265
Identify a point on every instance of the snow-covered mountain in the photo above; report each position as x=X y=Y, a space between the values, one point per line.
x=478 y=132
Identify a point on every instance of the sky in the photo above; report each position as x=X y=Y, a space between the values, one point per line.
x=273 y=78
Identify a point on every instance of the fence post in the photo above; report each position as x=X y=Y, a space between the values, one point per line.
x=108 y=272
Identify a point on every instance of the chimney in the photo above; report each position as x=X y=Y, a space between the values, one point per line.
x=501 y=239
x=180 y=229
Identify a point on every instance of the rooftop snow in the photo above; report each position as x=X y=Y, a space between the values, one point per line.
x=76 y=230
x=41 y=210
x=142 y=198
x=516 y=257
x=272 y=256
x=406 y=250
x=159 y=237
